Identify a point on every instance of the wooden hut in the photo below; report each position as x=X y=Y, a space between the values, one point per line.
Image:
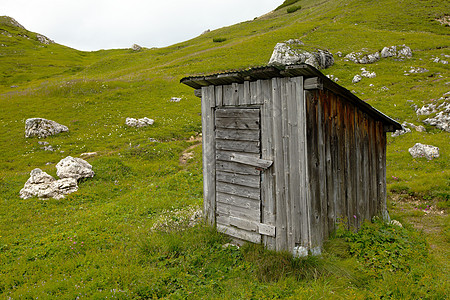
x=287 y=153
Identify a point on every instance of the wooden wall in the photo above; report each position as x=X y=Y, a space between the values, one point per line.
x=346 y=164
x=328 y=159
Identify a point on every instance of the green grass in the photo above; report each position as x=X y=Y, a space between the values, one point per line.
x=101 y=241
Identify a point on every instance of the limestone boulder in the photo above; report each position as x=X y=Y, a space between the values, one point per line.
x=42 y=185
x=39 y=127
x=292 y=52
x=421 y=150
x=143 y=122
x=74 y=167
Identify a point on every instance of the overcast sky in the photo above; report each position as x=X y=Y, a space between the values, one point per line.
x=106 y=24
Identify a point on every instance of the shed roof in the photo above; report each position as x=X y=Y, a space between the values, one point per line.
x=305 y=70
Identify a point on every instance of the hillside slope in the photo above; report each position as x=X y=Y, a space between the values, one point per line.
x=139 y=178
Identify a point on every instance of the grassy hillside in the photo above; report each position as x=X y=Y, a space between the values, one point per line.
x=101 y=241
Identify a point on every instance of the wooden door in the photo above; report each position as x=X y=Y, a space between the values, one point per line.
x=238 y=173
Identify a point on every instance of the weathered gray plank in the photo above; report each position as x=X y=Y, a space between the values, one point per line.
x=244 y=146
x=264 y=90
x=254 y=93
x=236 y=168
x=313 y=83
x=373 y=168
x=366 y=168
x=251 y=161
x=238 y=190
x=227 y=95
x=280 y=196
x=240 y=123
x=268 y=230
x=219 y=95
x=224 y=209
x=209 y=160
x=246 y=97
x=226 y=155
x=313 y=170
x=305 y=201
x=244 y=224
x=234 y=200
x=328 y=128
x=238 y=134
x=234 y=94
x=246 y=180
x=321 y=121
x=241 y=234
x=252 y=113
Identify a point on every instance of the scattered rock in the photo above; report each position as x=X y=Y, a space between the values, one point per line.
x=88 y=154
x=363 y=57
x=132 y=122
x=357 y=78
x=42 y=127
x=368 y=74
x=402 y=51
x=402 y=131
x=175 y=99
x=136 y=47
x=414 y=70
x=334 y=78
x=289 y=53
x=152 y=140
x=44 y=40
x=42 y=185
x=421 y=150
x=438 y=60
x=339 y=54
x=74 y=167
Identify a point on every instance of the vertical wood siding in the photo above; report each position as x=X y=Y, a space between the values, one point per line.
x=346 y=164
x=329 y=162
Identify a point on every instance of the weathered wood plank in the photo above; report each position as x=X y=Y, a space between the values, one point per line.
x=233 y=178
x=313 y=168
x=329 y=100
x=264 y=92
x=219 y=95
x=251 y=161
x=268 y=230
x=239 y=233
x=237 y=134
x=234 y=94
x=209 y=160
x=373 y=168
x=280 y=196
x=305 y=201
x=236 y=168
x=351 y=166
x=251 y=113
x=238 y=190
x=285 y=98
x=244 y=146
x=321 y=121
x=246 y=97
x=244 y=224
x=224 y=209
x=240 y=123
x=234 y=200
x=342 y=164
x=226 y=155
x=358 y=168
x=366 y=168
x=313 y=83
x=227 y=95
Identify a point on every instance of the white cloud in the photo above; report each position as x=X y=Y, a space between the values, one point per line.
x=106 y=24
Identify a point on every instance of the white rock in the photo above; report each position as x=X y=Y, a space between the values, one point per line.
x=421 y=150
x=357 y=78
x=136 y=47
x=368 y=74
x=42 y=185
x=42 y=128
x=401 y=131
x=389 y=51
x=132 y=122
x=286 y=54
x=175 y=99
x=74 y=167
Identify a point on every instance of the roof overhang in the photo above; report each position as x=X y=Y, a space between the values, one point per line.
x=305 y=70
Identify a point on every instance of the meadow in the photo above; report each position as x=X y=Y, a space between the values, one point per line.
x=129 y=231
